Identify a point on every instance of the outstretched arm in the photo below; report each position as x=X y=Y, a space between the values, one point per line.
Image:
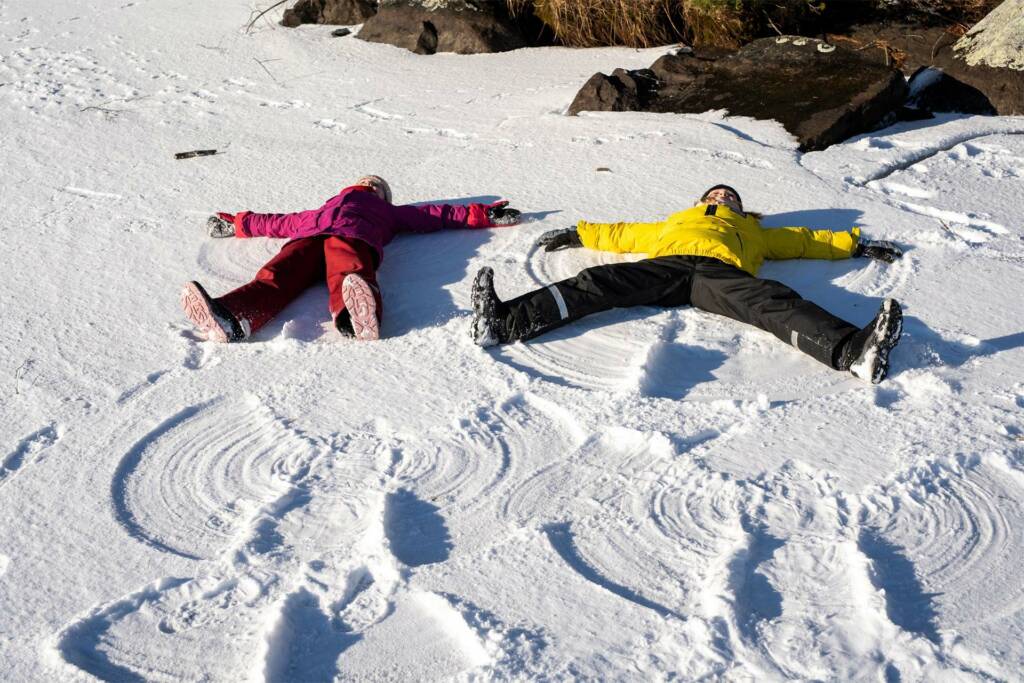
x=249 y=224
x=789 y=243
x=291 y=225
x=617 y=237
x=431 y=217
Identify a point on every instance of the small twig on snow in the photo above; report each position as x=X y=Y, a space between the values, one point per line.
x=260 y=15
x=102 y=106
x=262 y=66
x=20 y=373
x=202 y=152
x=195 y=153
x=955 y=236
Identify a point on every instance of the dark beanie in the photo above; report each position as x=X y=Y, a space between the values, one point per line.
x=722 y=187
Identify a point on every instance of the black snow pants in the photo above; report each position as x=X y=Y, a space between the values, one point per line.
x=705 y=283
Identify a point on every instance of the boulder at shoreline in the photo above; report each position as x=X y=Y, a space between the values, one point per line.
x=430 y=26
x=819 y=92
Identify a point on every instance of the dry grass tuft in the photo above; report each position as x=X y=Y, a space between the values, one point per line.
x=646 y=23
x=732 y=23
x=594 y=23
x=716 y=23
x=725 y=23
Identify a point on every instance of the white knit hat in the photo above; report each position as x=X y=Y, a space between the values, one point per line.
x=377 y=183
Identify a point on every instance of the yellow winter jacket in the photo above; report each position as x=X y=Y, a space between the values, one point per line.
x=719 y=232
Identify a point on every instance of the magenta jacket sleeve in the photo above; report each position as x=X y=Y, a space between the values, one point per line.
x=292 y=225
x=431 y=217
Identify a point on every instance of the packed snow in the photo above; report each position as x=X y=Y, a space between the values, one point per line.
x=644 y=494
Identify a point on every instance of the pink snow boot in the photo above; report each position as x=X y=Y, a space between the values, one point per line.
x=361 y=306
x=210 y=317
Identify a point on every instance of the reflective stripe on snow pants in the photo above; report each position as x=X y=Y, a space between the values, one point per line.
x=563 y=311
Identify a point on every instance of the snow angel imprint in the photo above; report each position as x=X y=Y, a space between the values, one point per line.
x=342 y=242
x=706 y=256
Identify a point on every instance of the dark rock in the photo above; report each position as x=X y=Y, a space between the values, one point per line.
x=907 y=46
x=1002 y=87
x=329 y=12
x=933 y=90
x=820 y=93
x=622 y=91
x=964 y=88
x=638 y=89
x=429 y=26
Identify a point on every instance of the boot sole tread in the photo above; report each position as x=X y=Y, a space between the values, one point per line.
x=361 y=306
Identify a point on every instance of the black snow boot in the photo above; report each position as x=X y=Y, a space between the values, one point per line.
x=487 y=325
x=866 y=353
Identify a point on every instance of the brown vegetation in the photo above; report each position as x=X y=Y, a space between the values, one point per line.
x=728 y=23
x=716 y=23
x=731 y=23
x=645 y=23
x=594 y=23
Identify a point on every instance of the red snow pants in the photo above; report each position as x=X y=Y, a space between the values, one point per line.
x=300 y=264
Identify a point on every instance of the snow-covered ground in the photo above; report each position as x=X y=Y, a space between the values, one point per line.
x=645 y=494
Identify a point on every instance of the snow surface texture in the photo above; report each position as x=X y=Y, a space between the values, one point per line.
x=643 y=494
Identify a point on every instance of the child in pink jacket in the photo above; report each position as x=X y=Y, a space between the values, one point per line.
x=342 y=242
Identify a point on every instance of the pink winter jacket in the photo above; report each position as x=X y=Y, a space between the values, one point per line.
x=358 y=213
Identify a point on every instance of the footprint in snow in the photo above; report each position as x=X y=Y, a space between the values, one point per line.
x=29 y=450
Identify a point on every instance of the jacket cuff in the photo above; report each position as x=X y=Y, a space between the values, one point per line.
x=478 y=216
x=855 y=241
x=587 y=235
x=240 y=229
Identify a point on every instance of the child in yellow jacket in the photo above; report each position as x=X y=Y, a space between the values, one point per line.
x=708 y=257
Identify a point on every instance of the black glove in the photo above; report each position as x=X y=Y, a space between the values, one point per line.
x=880 y=250
x=500 y=214
x=553 y=240
x=218 y=227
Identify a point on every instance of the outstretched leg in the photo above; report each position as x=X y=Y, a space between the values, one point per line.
x=653 y=282
x=771 y=306
x=236 y=315
x=354 y=296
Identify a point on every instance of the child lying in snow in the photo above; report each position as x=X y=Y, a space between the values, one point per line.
x=342 y=241
x=706 y=256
